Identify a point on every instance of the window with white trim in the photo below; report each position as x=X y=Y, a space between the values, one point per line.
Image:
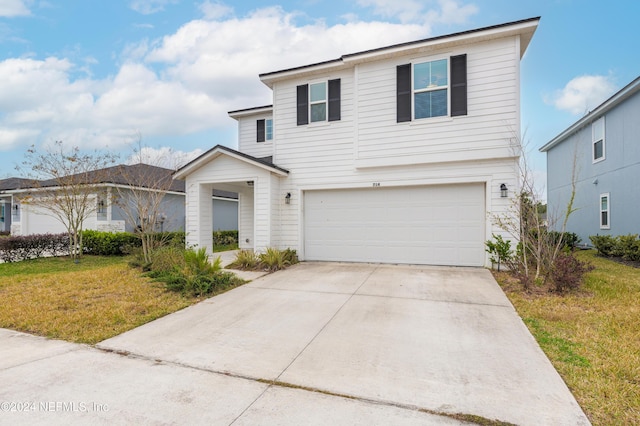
x=605 y=211
x=268 y=125
x=318 y=102
x=598 y=141
x=430 y=89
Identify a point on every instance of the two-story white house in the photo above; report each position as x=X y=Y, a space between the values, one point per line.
x=399 y=154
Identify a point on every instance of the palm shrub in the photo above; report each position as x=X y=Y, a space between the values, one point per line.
x=273 y=260
x=246 y=260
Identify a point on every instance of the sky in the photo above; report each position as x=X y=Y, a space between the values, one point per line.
x=164 y=73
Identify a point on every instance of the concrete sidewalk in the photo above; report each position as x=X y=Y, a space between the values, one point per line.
x=318 y=343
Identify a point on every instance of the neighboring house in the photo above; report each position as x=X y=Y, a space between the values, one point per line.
x=396 y=154
x=26 y=219
x=605 y=146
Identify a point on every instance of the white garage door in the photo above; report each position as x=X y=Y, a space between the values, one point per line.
x=433 y=225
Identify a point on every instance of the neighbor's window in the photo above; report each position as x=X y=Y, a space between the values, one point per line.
x=268 y=129
x=597 y=131
x=318 y=101
x=2 y=212
x=430 y=89
x=604 y=211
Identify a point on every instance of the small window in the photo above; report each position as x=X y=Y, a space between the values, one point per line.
x=264 y=130
x=597 y=131
x=2 y=212
x=269 y=129
x=318 y=102
x=605 y=209
x=430 y=89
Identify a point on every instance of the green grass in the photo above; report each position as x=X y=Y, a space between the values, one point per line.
x=592 y=337
x=98 y=298
x=225 y=247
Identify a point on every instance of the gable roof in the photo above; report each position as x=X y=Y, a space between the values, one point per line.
x=525 y=28
x=619 y=97
x=138 y=175
x=216 y=151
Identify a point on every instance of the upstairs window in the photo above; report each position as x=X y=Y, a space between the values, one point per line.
x=431 y=89
x=318 y=102
x=264 y=130
x=604 y=211
x=597 y=132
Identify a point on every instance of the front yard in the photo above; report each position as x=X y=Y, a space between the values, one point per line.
x=592 y=337
x=98 y=298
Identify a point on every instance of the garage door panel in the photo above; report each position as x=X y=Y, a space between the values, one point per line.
x=440 y=225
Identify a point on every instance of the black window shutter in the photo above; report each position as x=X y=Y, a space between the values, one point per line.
x=334 y=100
x=260 y=131
x=458 y=85
x=403 y=93
x=303 y=104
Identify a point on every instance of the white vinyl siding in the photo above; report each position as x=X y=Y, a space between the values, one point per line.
x=247 y=136
x=487 y=130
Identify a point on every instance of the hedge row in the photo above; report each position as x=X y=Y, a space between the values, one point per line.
x=23 y=247
x=625 y=246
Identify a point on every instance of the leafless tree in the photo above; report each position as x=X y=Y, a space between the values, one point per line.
x=538 y=248
x=141 y=198
x=64 y=185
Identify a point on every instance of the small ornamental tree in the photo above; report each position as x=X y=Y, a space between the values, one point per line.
x=64 y=186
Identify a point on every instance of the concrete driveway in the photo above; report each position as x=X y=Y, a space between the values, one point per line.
x=319 y=343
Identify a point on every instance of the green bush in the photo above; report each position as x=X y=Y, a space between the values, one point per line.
x=108 y=243
x=568 y=239
x=225 y=238
x=605 y=244
x=629 y=247
x=190 y=273
x=246 y=260
x=499 y=251
x=625 y=246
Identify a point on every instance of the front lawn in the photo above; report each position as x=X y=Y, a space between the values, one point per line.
x=98 y=298
x=592 y=337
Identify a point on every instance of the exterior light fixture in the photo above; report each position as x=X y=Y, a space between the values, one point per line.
x=250 y=182
x=16 y=207
x=287 y=198
x=503 y=190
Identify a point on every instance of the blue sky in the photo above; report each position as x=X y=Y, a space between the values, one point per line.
x=99 y=74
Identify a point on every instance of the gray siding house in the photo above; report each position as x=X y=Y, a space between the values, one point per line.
x=605 y=144
x=24 y=219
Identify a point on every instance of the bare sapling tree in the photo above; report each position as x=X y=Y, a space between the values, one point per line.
x=537 y=247
x=141 y=198
x=64 y=186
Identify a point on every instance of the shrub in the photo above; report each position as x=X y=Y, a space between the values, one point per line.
x=246 y=260
x=629 y=247
x=605 y=244
x=23 y=247
x=225 y=238
x=290 y=256
x=108 y=243
x=567 y=272
x=499 y=251
x=190 y=272
x=273 y=259
x=569 y=240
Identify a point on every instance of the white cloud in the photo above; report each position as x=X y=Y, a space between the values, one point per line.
x=147 y=7
x=12 y=8
x=215 y=11
x=164 y=157
x=181 y=84
x=583 y=93
x=416 y=11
